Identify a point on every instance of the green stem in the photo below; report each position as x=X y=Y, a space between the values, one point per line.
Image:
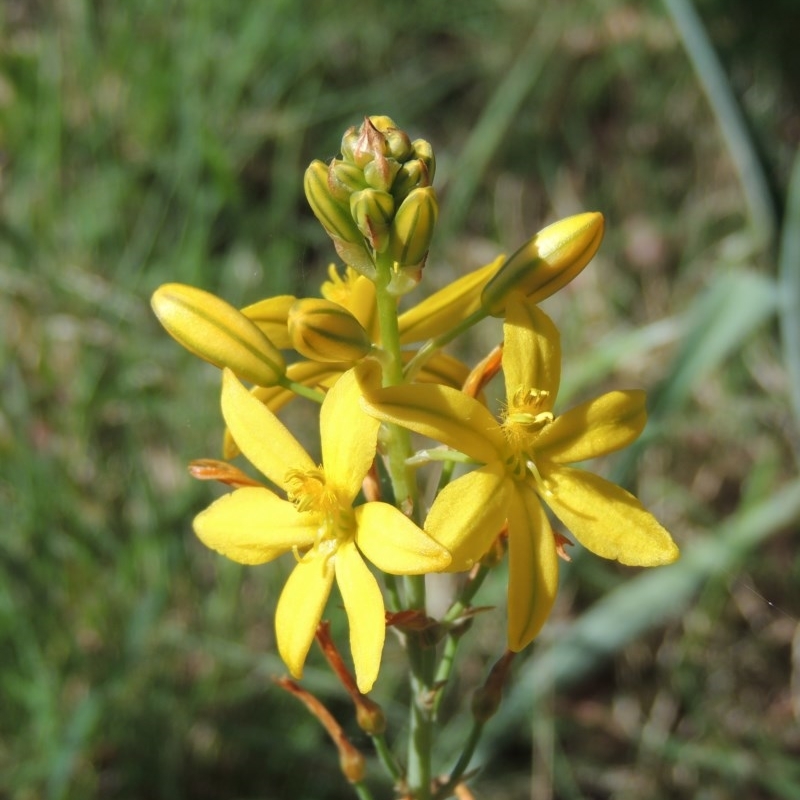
x=303 y=391
x=453 y=638
x=463 y=761
x=387 y=758
x=398 y=450
x=362 y=791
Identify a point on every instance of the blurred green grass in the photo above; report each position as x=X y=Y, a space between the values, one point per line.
x=154 y=142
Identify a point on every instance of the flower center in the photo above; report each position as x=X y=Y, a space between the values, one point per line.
x=310 y=493
x=528 y=412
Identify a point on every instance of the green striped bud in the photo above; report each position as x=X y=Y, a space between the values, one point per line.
x=372 y=211
x=333 y=216
x=411 y=175
x=344 y=179
x=412 y=227
x=546 y=263
x=325 y=331
x=424 y=152
x=217 y=332
x=380 y=173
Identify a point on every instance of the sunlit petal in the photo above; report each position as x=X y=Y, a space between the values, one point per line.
x=532 y=350
x=594 y=428
x=300 y=609
x=394 y=544
x=349 y=437
x=468 y=513
x=532 y=569
x=444 y=309
x=439 y=412
x=253 y=526
x=259 y=434
x=607 y=520
x=363 y=603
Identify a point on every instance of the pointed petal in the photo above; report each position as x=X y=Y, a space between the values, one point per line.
x=444 y=309
x=468 y=513
x=300 y=608
x=309 y=373
x=532 y=350
x=439 y=412
x=607 y=520
x=253 y=526
x=532 y=569
x=349 y=437
x=259 y=434
x=363 y=603
x=595 y=428
x=394 y=544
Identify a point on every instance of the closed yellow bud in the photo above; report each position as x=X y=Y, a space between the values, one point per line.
x=424 y=152
x=412 y=227
x=325 y=331
x=333 y=215
x=547 y=262
x=217 y=332
x=372 y=211
x=344 y=179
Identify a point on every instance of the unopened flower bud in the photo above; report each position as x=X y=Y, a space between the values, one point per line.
x=397 y=141
x=424 y=152
x=369 y=144
x=344 y=178
x=412 y=227
x=217 y=332
x=370 y=716
x=372 y=211
x=486 y=700
x=333 y=216
x=411 y=175
x=325 y=331
x=546 y=263
x=380 y=173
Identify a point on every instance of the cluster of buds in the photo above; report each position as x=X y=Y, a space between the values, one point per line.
x=377 y=200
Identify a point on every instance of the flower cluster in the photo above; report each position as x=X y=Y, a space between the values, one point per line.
x=380 y=374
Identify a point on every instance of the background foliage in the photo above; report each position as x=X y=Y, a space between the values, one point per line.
x=155 y=141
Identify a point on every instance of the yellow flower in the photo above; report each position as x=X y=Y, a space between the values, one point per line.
x=525 y=458
x=329 y=537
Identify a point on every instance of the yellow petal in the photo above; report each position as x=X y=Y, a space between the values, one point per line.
x=253 y=526
x=468 y=513
x=439 y=412
x=440 y=368
x=349 y=437
x=309 y=373
x=363 y=603
x=394 y=544
x=444 y=309
x=270 y=316
x=260 y=435
x=532 y=351
x=532 y=569
x=594 y=428
x=357 y=294
x=216 y=331
x=607 y=520
x=300 y=609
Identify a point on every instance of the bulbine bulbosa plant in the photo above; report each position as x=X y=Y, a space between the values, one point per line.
x=359 y=519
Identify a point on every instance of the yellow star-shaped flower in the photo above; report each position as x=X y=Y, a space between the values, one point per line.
x=525 y=458
x=329 y=536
